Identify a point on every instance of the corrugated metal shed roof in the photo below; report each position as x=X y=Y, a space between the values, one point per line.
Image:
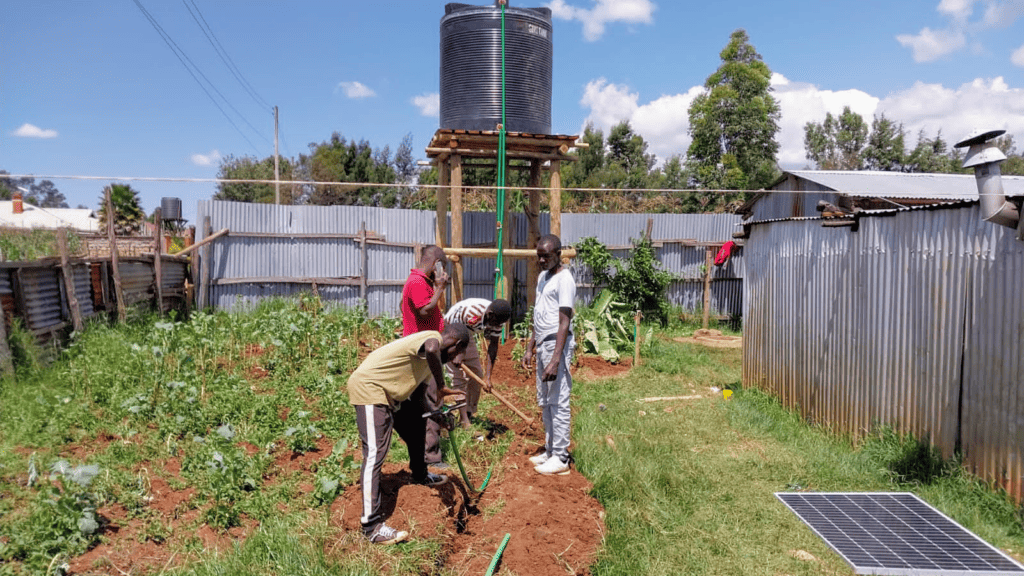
x=871 y=184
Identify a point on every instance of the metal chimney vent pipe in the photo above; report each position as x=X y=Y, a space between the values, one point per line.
x=984 y=156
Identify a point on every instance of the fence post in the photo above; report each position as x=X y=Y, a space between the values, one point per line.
x=122 y=314
x=204 y=278
x=6 y=358
x=157 y=253
x=69 y=280
x=708 y=262
x=363 y=265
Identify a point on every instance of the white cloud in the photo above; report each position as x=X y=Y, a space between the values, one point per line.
x=1018 y=56
x=206 y=159
x=355 y=89
x=931 y=45
x=604 y=12
x=29 y=131
x=664 y=122
x=984 y=103
x=429 y=104
x=928 y=45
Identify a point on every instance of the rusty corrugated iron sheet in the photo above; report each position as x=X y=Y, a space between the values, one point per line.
x=914 y=322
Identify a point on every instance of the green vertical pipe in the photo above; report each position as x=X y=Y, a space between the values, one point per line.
x=501 y=169
x=497 y=555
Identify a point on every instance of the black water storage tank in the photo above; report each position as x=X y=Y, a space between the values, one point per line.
x=471 y=68
x=170 y=208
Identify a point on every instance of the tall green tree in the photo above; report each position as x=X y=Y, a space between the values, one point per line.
x=628 y=150
x=8 y=186
x=1014 y=164
x=886 y=146
x=252 y=168
x=933 y=155
x=128 y=213
x=48 y=195
x=837 y=143
x=339 y=160
x=734 y=121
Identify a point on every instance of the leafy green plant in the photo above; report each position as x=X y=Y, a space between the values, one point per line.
x=63 y=520
x=302 y=435
x=225 y=473
x=18 y=244
x=333 y=474
x=638 y=282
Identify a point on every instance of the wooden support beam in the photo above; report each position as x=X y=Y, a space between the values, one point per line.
x=69 y=280
x=158 y=254
x=122 y=312
x=443 y=194
x=206 y=254
x=514 y=253
x=512 y=154
x=532 y=230
x=203 y=242
x=343 y=281
x=709 y=260
x=555 y=199
x=457 y=280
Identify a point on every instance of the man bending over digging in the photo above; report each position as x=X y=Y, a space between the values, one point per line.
x=480 y=316
x=389 y=392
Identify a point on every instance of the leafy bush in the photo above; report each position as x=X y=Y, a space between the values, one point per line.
x=19 y=245
x=637 y=281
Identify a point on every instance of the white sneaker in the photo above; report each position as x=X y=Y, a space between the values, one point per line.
x=385 y=534
x=539 y=459
x=553 y=466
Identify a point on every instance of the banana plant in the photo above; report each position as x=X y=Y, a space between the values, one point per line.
x=604 y=328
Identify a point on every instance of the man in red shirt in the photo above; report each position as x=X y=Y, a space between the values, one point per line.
x=421 y=293
x=421 y=311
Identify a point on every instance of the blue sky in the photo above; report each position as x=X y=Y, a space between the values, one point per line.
x=89 y=87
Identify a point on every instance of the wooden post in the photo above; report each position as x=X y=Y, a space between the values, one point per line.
x=509 y=227
x=363 y=265
x=69 y=280
x=443 y=178
x=204 y=278
x=532 y=231
x=636 y=338
x=158 y=251
x=6 y=358
x=115 y=265
x=456 y=163
x=555 y=198
x=708 y=262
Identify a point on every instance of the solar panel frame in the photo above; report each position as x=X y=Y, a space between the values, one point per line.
x=911 y=537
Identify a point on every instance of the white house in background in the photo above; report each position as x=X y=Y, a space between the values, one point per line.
x=17 y=213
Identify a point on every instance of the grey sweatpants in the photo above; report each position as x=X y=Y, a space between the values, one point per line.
x=553 y=398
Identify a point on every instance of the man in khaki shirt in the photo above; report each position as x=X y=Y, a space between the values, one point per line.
x=389 y=392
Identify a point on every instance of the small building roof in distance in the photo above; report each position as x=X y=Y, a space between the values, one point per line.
x=873 y=184
x=81 y=219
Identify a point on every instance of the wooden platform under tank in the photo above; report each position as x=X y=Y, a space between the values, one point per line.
x=518 y=145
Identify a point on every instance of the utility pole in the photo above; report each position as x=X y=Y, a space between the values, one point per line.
x=277 y=169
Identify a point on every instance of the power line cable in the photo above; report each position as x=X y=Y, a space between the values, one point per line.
x=219 y=48
x=182 y=57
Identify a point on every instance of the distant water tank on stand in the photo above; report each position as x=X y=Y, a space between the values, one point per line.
x=471 y=68
x=170 y=208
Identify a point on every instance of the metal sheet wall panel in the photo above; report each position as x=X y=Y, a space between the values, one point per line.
x=5 y=281
x=856 y=329
x=83 y=289
x=993 y=408
x=914 y=322
x=42 y=297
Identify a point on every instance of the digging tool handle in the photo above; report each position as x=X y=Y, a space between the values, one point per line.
x=500 y=398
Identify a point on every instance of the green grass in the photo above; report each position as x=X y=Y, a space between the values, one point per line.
x=691 y=491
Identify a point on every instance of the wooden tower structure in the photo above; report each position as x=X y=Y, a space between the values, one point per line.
x=453 y=150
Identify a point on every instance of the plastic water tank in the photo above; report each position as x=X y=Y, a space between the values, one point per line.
x=170 y=208
x=471 y=68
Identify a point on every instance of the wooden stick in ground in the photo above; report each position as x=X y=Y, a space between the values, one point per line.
x=509 y=405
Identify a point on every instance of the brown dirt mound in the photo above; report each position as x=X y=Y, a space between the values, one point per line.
x=713 y=339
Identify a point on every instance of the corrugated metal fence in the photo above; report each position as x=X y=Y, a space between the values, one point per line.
x=914 y=321
x=274 y=250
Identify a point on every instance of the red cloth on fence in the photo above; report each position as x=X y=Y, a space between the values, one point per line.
x=724 y=252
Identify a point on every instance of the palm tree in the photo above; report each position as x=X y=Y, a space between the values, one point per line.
x=128 y=213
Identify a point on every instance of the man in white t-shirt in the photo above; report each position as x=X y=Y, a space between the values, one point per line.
x=481 y=316
x=552 y=342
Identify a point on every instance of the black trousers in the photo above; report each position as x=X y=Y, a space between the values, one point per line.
x=376 y=423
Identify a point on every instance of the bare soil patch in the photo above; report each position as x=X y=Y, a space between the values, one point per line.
x=713 y=339
x=556 y=527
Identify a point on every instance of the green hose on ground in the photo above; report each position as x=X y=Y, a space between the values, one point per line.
x=497 y=555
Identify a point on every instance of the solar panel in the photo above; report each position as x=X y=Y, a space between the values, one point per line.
x=896 y=533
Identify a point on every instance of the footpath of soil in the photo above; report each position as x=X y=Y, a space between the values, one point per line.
x=556 y=527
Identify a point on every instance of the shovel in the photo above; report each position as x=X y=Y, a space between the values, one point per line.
x=509 y=405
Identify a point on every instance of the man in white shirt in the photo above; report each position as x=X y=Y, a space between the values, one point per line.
x=552 y=342
x=481 y=316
